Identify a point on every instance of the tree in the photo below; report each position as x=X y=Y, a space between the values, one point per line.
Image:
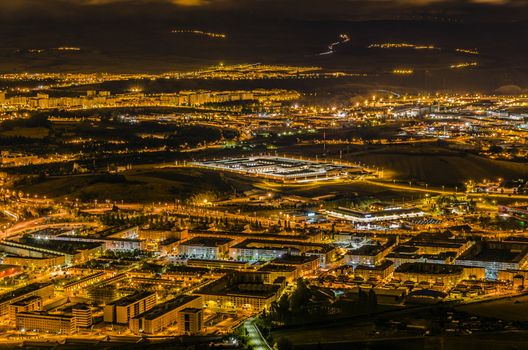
x=301 y=296
x=372 y=301
x=284 y=344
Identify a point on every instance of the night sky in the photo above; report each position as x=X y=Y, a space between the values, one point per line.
x=483 y=10
x=135 y=36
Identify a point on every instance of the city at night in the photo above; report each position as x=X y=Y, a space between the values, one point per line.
x=264 y=174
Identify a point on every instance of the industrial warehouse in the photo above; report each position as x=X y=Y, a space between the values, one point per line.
x=282 y=169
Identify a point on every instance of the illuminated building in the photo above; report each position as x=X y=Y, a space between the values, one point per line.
x=272 y=272
x=42 y=260
x=241 y=291
x=191 y=321
x=124 y=231
x=304 y=264
x=205 y=248
x=83 y=282
x=439 y=275
x=281 y=169
x=73 y=252
x=219 y=264
x=388 y=214
x=368 y=254
x=185 y=273
x=265 y=250
x=379 y=272
x=167 y=314
x=83 y=315
x=495 y=256
x=122 y=310
x=46 y=323
x=237 y=237
x=29 y=304
x=405 y=254
x=42 y=290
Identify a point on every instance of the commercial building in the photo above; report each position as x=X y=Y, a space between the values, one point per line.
x=387 y=214
x=369 y=254
x=185 y=273
x=42 y=290
x=123 y=231
x=305 y=264
x=122 y=310
x=440 y=275
x=35 y=260
x=168 y=314
x=266 y=250
x=73 y=252
x=29 y=304
x=83 y=315
x=273 y=271
x=83 y=282
x=119 y=238
x=46 y=323
x=191 y=321
x=282 y=169
x=219 y=264
x=237 y=291
x=437 y=243
x=378 y=272
x=314 y=236
x=495 y=256
x=205 y=248
x=405 y=254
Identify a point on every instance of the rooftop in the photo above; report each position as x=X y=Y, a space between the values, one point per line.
x=281 y=245
x=276 y=268
x=130 y=299
x=67 y=247
x=167 y=306
x=367 y=250
x=23 y=290
x=207 y=241
x=27 y=301
x=289 y=259
x=429 y=269
x=503 y=252
x=380 y=267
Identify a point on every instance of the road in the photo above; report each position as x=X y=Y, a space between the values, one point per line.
x=432 y=190
x=256 y=340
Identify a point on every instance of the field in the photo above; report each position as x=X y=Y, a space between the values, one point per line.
x=33 y=133
x=151 y=185
x=167 y=184
x=511 y=309
x=440 y=166
x=428 y=163
x=346 y=188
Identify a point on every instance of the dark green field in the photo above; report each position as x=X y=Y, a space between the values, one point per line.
x=427 y=163
x=168 y=184
x=165 y=184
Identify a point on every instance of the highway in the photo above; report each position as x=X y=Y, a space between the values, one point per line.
x=433 y=190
